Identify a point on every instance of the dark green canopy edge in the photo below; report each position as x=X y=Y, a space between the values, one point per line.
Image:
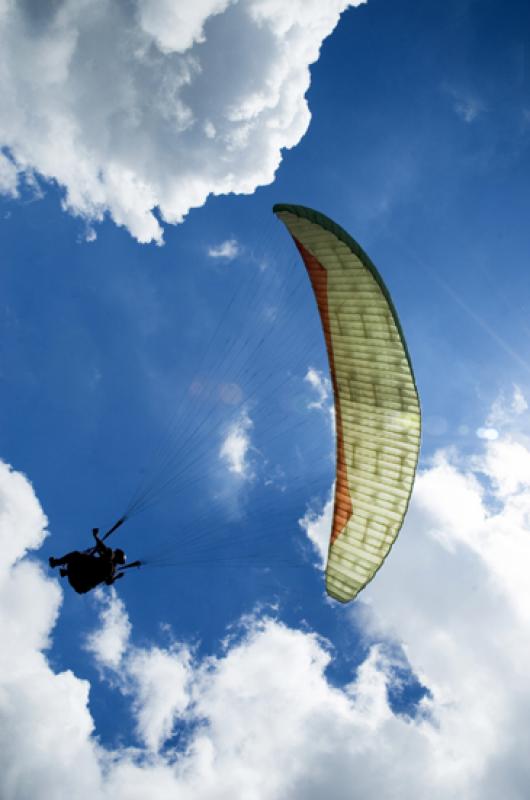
x=325 y=222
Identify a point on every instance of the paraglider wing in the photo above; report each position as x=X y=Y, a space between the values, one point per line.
x=377 y=411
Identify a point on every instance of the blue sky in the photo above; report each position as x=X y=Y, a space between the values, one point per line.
x=149 y=299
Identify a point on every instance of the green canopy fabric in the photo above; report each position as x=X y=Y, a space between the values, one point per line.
x=377 y=409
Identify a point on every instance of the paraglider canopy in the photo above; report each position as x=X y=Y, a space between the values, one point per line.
x=377 y=411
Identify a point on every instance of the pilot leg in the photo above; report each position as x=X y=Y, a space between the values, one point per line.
x=65 y=560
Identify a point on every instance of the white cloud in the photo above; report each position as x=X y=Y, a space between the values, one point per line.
x=236 y=447
x=160 y=690
x=156 y=679
x=317 y=526
x=90 y=234
x=227 y=250
x=8 y=177
x=156 y=104
x=176 y=27
x=455 y=592
x=22 y=521
x=262 y=718
x=505 y=411
x=321 y=385
x=45 y=726
x=488 y=433
x=507 y=464
x=109 y=642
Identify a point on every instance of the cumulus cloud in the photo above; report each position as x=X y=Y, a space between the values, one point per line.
x=45 y=726
x=454 y=591
x=227 y=250
x=22 y=520
x=454 y=596
x=155 y=679
x=177 y=26
x=156 y=104
x=109 y=642
x=160 y=691
x=507 y=465
x=236 y=447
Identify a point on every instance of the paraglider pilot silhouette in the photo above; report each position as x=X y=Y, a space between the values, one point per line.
x=99 y=564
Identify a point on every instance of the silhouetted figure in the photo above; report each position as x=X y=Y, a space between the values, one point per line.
x=86 y=570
